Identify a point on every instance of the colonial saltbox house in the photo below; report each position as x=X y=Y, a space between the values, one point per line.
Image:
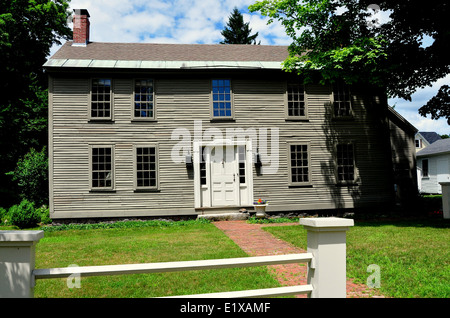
x=140 y=130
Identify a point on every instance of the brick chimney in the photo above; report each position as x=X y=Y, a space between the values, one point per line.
x=81 y=27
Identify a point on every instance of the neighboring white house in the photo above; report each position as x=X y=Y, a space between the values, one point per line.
x=433 y=165
x=424 y=138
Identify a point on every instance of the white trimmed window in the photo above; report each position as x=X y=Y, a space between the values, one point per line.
x=101 y=99
x=144 y=99
x=296 y=107
x=222 y=107
x=342 y=100
x=425 y=168
x=102 y=169
x=345 y=163
x=146 y=167
x=299 y=164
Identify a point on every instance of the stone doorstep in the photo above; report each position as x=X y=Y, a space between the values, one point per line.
x=224 y=216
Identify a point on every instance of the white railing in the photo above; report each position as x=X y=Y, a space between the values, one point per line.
x=326 y=259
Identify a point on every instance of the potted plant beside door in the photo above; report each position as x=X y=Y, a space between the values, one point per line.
x=260 y=208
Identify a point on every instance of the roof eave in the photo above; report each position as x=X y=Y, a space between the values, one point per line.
x=135 y=64
x=429 y=154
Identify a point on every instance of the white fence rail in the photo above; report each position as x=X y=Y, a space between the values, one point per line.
x=326 y=259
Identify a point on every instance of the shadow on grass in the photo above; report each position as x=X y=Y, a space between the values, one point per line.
x=404 y=222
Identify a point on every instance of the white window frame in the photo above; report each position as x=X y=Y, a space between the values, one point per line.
x=134 y=118
x=111 y=101
x=289 y=163
x=355 y=169
x=333 y=100
x=218 y=118
x=91 y=171
x=427 y=174
x=286 y=101
x=146 y=188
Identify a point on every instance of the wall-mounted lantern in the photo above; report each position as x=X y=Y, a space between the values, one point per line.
x=258 y=162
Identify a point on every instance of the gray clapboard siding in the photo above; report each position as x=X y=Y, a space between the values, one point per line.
x=257 y=104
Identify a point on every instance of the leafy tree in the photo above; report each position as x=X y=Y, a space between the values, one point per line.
x=439 y=105
x=340 y=39
x=31 y=175
x=238 y=32
x=28 y=29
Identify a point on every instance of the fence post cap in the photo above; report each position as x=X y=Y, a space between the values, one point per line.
x=21 y=236
x=326 y=222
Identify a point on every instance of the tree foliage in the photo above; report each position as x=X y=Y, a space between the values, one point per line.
x=342 y=39
x=439 y=105
x=28 y=29
x=23 y=215
x=236 y=31
x=31 y=175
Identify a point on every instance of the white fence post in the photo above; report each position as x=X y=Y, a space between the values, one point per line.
x=445 y=199
x=17 y=260
x=327 y=243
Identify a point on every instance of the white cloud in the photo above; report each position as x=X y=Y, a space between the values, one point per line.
x=171 y=21
x=427 y=124
x=410 y=109
x=183 y=21
x=272 y=34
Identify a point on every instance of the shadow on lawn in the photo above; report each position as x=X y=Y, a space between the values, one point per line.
x=405 y=222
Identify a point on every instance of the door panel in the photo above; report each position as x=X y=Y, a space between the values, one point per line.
x=224 y=181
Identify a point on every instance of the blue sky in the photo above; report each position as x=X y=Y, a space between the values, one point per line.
x=200 y=21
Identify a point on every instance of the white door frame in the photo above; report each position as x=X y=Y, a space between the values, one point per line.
x=207 y=202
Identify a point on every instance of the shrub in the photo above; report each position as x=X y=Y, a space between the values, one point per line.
x=24 y=215
x=44 y=214
x=3 y=214
x=31 y=176
x=431 y=203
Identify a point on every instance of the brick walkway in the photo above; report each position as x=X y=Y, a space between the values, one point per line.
x=257 y=242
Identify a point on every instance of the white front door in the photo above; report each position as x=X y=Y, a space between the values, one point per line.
x=224 y=176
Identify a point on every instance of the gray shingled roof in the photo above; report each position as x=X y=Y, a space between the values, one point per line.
x=172 y=52
x=430 y=136
x=151 y=55
x=440 y=146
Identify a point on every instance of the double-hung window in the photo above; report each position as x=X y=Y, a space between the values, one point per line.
x=425 y=168
x=296 y=101
x=101 y=99
x=146 y=167
x=299 y=164
x=222 y=107
x=346 y=172
x=102 y=169
x=342 y=103
x=144 y=100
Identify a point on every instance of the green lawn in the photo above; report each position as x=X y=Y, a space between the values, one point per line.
x=413 y=256
x=146 y=244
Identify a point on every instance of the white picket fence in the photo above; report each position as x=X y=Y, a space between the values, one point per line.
x=325 y=256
